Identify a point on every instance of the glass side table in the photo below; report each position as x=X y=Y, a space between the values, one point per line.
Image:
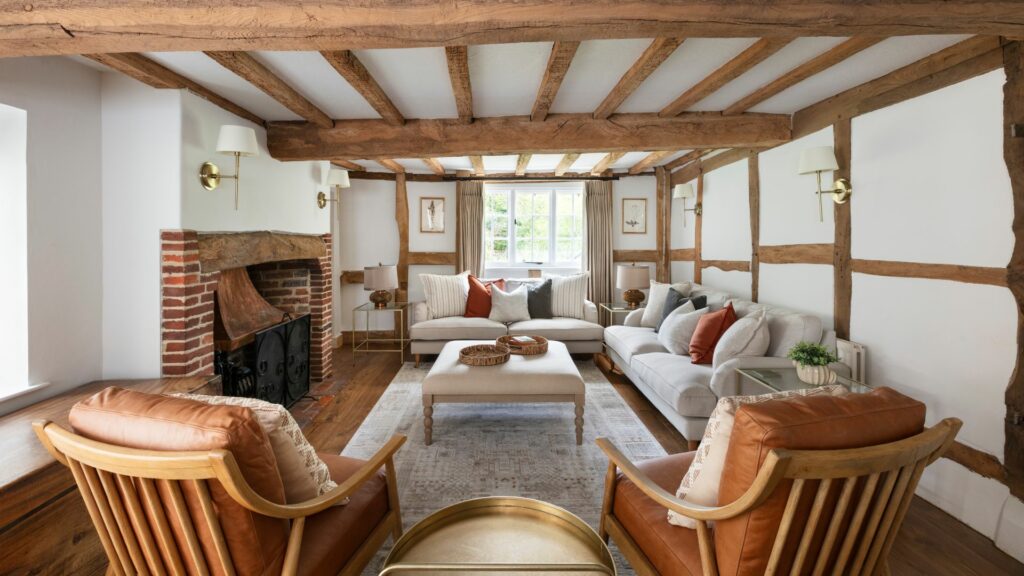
x=371 y=344
x=785 y=380
x=611 y=309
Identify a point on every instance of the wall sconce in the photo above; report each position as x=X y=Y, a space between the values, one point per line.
x=336 y=179
x=233 y=140
x=823 y=159
x=684 y=192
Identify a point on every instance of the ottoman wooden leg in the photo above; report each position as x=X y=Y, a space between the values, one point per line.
x=580 y=402
x=428 y=419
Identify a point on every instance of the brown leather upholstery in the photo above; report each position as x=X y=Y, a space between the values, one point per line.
x=333 y=536
x=150 y=421
x=671 y=549
x=743 y=544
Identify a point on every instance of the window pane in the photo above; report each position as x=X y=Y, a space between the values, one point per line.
x=563 y=203
x=540 y=228
x=524 y=204
x=567 y=250
x=566 y=226
x=498 y=251
x=540 y=250
x=542 y=203
x=524 y=252
x=497 y=202
x=499 y=228
x=523 y=228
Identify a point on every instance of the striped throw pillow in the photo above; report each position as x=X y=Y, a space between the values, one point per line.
x=446 y=294
x=568 y=294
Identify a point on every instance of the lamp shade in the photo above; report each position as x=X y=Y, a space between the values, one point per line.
x=632 y=277
x=818 y=159
x=682 y=191
x=237 y=140
x=380 y=277
x=338 y=177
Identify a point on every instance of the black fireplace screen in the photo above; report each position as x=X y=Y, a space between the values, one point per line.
x=273 y=367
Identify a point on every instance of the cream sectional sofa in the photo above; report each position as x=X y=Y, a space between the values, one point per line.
x=686 y=393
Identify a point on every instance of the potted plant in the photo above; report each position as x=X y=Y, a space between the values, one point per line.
x=811 y=361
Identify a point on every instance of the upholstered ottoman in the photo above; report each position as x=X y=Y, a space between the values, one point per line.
x=550 y=377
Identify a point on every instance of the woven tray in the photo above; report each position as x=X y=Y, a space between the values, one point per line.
x=484 y=355
x=540 y=347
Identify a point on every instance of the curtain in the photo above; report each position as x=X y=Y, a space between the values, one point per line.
x=470 y=233
x=597 y=242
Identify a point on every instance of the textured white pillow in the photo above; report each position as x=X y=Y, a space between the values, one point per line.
x=568 y=294
x=700 y=484
x=655 y=308
x=445 y=294
x=509 y=306
x=748 y=336
x=678 y=328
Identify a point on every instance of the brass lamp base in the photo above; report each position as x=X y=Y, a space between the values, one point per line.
x=380 y=298
x=633 y=298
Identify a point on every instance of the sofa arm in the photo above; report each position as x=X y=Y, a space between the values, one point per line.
x=633 y=318
x=590 y=312
x=417 y=313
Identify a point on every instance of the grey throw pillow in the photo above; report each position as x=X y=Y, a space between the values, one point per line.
x=674 y=300
x=539 y=300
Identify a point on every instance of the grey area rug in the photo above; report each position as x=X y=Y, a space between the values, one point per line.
x=501 y=449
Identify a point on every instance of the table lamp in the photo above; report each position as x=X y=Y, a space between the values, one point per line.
x=632 y=279
x=381 y=279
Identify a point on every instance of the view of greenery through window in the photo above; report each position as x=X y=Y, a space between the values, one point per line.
x=533 y=224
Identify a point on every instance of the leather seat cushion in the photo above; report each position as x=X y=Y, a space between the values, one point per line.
x=558 y=329
x=333 y=536
x=628 y=341
x=678 y=381
x=457 y=328
x=671 y=549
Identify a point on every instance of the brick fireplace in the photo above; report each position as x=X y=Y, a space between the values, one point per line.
x=292 y=272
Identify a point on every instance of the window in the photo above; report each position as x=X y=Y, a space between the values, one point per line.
x=14 y=249
x=533 y=224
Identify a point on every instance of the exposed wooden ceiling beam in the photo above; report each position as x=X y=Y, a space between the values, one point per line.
x=434 y=166
x=522 y=162
x=465 y=175
x=350 y=68
x=565 y=163
x=558 y=64
x=478 y=164
x=653 y=56
x=143 y=25
x=649 y=161
x=704 y=166
x=802 y=72
x=462 y=88
x=606 y=162
x=731 y=70
x=349 y=165
x=518 y=135
x=391 y=165
x=244 y=65
x=685 y=159
x=152 y=73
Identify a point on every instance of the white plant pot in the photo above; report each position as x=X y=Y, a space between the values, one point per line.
x=815 y=375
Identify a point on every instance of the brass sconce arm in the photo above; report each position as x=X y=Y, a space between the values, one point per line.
x=698 y=209
x=841 y=192
x=210 y=176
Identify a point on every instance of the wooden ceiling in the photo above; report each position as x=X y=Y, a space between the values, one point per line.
x=674 y=136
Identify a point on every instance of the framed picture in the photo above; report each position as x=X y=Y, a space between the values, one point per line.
x=432 y=215
x=634 y=215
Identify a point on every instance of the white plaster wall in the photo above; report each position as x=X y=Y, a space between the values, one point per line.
x=141 y=196
x=734 y=282
x=431 y=241
x=634 y=187
x=682 y=271
x=800 y=287
x=789 y=206
x=65 y=247
x=726 y=221
x=14 y=248
x=274 y=195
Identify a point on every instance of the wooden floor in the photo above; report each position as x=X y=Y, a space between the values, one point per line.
x=930 y=542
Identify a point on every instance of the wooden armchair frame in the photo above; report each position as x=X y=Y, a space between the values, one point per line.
x=135 y=545
x=891 y=472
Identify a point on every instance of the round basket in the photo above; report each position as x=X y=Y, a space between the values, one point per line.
x=540 y=347
x=483 y=355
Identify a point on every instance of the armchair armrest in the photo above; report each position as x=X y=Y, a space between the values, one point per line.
x=633 y=318
x=417 y=313
x=590 y=312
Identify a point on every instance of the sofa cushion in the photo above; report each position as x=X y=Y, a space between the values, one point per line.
x=629 y=340
x=678 y=381
x=654 y=312
x=747 y=336
x=509 y=306
x=558 y=329
x=568 y=293
x=788 y=328
x=538 y=299
x=709 y=331
x=445 y=294
x=677 y=330
x=457 y=328
x=743 y=544
x=333 y=536
x=478 y=301
x=671 y=549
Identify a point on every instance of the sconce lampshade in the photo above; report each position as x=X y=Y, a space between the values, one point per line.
x=338 y=177
x=818 y=159
x=383 y=277
x=682 y=191
x=632 y=277
x=237 y=140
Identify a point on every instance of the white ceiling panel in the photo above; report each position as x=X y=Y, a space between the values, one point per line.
x=864 y=66
x=792 y=55
x=672 y=157
x=505 y=77
x=628 y=160
x=543 y=162
x=416 y=80
x=373 y=166
x=414 y=165
x=500 y=163
x=311 y=75
x=199 y=68
x=587 y=161
x=689 y=64
x=453 y=163
x=596 y=68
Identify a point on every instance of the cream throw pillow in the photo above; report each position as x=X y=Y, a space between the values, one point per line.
x=700 y=484
x=303 y=473
x=655 y=309
x=445 y=294
x=509 y=306
x=748 y=336
x=678 y=328
x=568 y=294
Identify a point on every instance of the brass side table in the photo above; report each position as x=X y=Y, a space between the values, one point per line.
x=613 y=308
x=500 y=534
x=367 y=344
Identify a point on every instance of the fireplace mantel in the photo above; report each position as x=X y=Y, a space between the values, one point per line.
x=226 y=250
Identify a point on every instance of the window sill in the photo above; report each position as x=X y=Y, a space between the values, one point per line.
x=8 y=396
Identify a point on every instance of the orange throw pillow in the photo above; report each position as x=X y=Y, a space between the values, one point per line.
x=709 y=331
x=478 y=303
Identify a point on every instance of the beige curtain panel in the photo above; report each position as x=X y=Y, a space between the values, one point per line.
x=471 y=226
x=597 y=244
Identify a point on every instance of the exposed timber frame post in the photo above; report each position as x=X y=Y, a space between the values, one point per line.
x=1013 y=153
x=698 y=221
x=754 y=201
x=842 y=274
x=663 y=221
x=402 y=219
